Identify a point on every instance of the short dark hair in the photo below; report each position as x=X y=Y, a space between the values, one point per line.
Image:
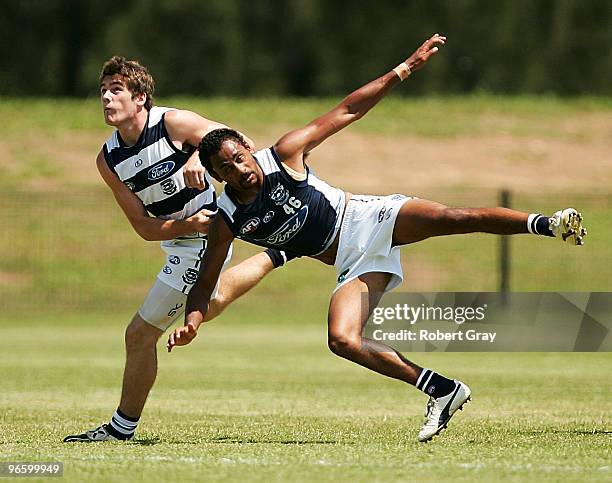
x=211 y=145
x=137 y=78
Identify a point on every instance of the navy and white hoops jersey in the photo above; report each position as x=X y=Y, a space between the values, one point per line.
x=153 y=170
x=302 y=217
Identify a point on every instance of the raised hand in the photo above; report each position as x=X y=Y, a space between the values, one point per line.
x=425 y=51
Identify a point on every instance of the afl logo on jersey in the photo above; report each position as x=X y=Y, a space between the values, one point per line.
x=290 y=228
x=160 y=170
x=250 y=226
x=279 y=195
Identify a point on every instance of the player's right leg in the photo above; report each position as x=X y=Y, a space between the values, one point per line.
x=421 y=219
x=161 y=308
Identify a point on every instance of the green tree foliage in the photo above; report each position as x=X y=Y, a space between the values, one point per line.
x=307 y=47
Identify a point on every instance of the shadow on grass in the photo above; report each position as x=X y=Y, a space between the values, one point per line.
x=146 y=441
x=578 y=432
x=228 y=440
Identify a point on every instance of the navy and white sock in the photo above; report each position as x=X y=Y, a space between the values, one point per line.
x=122 y=426
x=279 y=257
x=539 y=225
x=434 y=385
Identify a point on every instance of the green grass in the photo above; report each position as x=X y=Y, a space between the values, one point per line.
x=261 y=401
x=430 y=116
x=259 y=397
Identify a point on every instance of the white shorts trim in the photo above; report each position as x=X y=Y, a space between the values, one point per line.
x=366 y=238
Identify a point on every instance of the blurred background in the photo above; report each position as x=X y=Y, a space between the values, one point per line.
x=518 y=100
x=307 y=47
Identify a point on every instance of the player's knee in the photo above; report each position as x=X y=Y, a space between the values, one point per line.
x=343 y=345
x=139 y=334
x=215 y=307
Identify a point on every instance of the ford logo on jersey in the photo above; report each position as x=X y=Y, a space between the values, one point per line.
x=160 y=170
x=289 y=229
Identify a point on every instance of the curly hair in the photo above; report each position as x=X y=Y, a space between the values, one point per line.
x=211 y=145
x=137 y=78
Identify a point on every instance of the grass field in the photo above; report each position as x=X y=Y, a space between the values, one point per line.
x=259 y=396
x=254 y=400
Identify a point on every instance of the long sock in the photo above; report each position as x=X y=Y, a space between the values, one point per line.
x=122 y=426
x=538 y=225
x=434 y=385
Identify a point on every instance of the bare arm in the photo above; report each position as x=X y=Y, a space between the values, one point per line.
x=219 y=240
x=293 y=146
x=146 y=226
x=186 y=127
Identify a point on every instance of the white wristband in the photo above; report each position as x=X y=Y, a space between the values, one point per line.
x=402 y=71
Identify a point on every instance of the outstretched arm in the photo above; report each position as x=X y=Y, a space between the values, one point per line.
x=292 y=147
x=219 y=240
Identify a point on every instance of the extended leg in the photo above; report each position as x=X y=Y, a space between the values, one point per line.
x=421 y=219
x=236 y=281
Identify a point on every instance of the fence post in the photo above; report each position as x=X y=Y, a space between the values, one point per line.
x=504 y=253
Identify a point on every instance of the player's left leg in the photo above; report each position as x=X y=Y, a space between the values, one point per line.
x=349 y=310
x=239 y=279
x=421 y=219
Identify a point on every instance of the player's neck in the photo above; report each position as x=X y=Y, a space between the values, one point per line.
x=245 y=197
x=131 y=130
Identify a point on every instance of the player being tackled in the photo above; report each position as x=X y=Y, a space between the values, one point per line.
x=272 y=199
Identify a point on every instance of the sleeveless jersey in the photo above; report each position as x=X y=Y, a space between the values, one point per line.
x=153 y=170
x=302 y=217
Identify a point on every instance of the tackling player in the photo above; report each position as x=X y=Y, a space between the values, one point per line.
x=151 y=165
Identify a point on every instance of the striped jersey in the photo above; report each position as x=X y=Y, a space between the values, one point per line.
x=302 y=217
x=153 y=170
